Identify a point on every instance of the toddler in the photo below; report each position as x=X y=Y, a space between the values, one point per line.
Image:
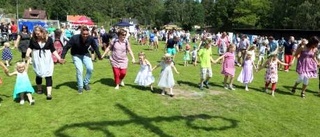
x=23 y=85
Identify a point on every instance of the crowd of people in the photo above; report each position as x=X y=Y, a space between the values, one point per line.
x=42 y=50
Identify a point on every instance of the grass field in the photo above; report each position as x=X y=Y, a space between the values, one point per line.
x=135 y=111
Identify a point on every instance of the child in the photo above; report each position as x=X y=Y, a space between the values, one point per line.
x=194 y=54
x=186 y=56
x=144 y=76
x=166 y=77
x=246 y=74
x=228 y=66
x=205 y=58
x=306 y=65
x=23 y=85
x=262 y=52
x=6 y=53
x=271 y=75
x=251 y=51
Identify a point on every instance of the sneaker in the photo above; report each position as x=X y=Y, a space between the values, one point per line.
x=226 y=87
x=163 y=93
x=231 y=87
x=206 y=84
x=32 y=102
x=21 y=102
x=49 y=97
x=246 y=89
x=117 y=87
x=80 y=90
x=272 y=93
x=122 y=84
x=87 y=87
x=266 y=90
x=201 y=86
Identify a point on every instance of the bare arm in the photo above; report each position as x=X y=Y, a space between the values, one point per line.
x=264 y=65
x=217 y=59
x=11 y=74
x=174 y=68
x=106 y=51
x=282 y=63
x=150 y=65
x=155 y=67
x=296 y=55
x=4 y=67
x=17 y=41
x=131 y=54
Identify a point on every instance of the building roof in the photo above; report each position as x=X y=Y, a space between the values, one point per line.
x=34 y=14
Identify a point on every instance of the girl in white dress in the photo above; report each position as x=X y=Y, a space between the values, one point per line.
x=144 y=76
x=166 y=79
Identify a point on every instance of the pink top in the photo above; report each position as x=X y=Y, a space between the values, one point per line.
x=228 y=67
x=306 y=64
x=119 y=58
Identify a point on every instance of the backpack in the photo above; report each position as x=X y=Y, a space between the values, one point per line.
x=115 y=41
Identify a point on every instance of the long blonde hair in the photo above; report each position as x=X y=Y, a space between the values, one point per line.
x=43 y=31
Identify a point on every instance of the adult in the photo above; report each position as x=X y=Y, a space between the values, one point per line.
x=243 y=45
x=171 y=46
x=14 y=30
x=95 y=34
x=307 y=64
x=80 y=45
x=41 y=47
x=22 y=42
x=59 y=41
x=222 y=43
x=119 y=60
x=105 y=40
x=288 y=51
x=68 y=32
x=273 y=45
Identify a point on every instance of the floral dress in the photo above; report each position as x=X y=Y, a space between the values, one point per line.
x=272 y=72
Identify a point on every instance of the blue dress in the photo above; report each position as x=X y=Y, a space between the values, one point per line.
x=22 y=85
x=6 y=54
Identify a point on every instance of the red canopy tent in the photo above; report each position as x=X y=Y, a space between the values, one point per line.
x=83 y=20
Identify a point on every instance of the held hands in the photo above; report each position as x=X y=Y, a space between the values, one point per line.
x=62 y=61
x=133 y=60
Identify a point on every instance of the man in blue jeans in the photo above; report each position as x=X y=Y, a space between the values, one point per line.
x=80 y=45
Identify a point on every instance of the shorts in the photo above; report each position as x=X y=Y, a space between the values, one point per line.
x=171 y=51
x=205 y=72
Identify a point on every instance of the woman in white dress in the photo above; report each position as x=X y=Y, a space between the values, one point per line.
x=41 y=47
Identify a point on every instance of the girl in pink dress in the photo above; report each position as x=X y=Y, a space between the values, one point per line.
x=306 y=65
x=246 y=74
x=271 y=75
x=228 y=66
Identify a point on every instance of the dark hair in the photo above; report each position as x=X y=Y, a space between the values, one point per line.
x=84 y=28
x=57 y=33
x=25 y=26
x=313 y=42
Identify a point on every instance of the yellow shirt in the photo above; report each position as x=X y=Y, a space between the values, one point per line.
x=204 y=57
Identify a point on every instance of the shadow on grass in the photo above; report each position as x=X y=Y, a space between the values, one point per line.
x=145 y=89
x=148 y=123
x=106 y=81
x=1 y=95
x=298 y=89
x=70 y=84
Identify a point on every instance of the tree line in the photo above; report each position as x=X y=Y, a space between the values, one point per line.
x=218 y=14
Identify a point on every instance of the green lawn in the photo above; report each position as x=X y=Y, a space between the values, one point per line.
x=135 y=111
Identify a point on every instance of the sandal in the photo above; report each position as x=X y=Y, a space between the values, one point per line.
x=303 y=95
